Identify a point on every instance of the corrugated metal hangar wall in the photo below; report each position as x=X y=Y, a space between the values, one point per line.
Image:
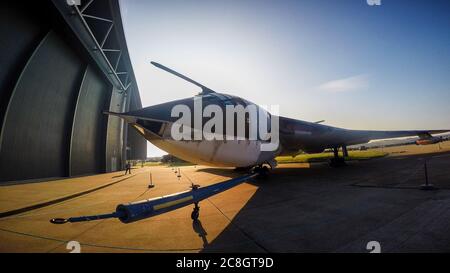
x=62 y=66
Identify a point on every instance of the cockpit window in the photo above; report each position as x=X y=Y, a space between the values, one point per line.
x=208 y=97
x=225 y=99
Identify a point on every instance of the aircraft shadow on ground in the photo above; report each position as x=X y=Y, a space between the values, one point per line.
x=222 y=172
x=234 y=173
x=281 y=186
x=309 y=209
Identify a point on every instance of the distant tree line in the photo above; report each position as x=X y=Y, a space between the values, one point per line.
x=171 y=159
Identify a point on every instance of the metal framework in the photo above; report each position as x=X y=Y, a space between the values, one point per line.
x=100 y=46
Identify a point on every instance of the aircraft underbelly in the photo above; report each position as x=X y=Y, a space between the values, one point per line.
x=232 y=153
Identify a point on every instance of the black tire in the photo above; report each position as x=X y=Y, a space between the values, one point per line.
x=265 y=172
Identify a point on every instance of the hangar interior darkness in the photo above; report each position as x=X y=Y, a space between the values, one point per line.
x=62 y=66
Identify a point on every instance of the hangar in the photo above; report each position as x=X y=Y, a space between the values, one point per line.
x=63 y=64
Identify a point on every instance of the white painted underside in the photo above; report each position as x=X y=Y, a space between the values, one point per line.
x=231 y=153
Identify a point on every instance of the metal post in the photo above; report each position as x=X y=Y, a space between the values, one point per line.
x=151 y=186
x=427 y=186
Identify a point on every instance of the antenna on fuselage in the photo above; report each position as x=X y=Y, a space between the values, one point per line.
x=205 y=90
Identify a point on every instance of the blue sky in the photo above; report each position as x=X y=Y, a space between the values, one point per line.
x=351 y=64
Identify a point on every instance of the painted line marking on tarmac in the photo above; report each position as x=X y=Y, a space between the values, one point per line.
x=59 y=200
x=440 y=156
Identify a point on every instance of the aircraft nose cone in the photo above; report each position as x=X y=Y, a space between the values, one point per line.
x=161 y=112
x=154 y=117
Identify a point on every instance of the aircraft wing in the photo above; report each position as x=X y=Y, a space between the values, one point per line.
x=313 y=137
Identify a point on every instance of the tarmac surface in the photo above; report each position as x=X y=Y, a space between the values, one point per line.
x=299 y=208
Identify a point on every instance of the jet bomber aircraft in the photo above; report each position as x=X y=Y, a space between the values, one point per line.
x=156 y=123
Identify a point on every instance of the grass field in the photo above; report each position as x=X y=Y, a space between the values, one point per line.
x=303 y=158
x=353 y=155
x=179 y=164
x=170 y=165
x=152 y=164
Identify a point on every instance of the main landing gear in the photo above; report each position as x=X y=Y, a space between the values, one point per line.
x=337 y=161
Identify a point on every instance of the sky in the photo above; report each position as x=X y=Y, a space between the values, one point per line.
x=354 y=65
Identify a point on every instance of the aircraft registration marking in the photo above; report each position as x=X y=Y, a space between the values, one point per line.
x=172 y=203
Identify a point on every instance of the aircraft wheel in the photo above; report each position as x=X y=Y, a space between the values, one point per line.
x=263 y=172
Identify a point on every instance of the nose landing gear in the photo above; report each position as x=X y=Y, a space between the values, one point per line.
x=262 y=170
